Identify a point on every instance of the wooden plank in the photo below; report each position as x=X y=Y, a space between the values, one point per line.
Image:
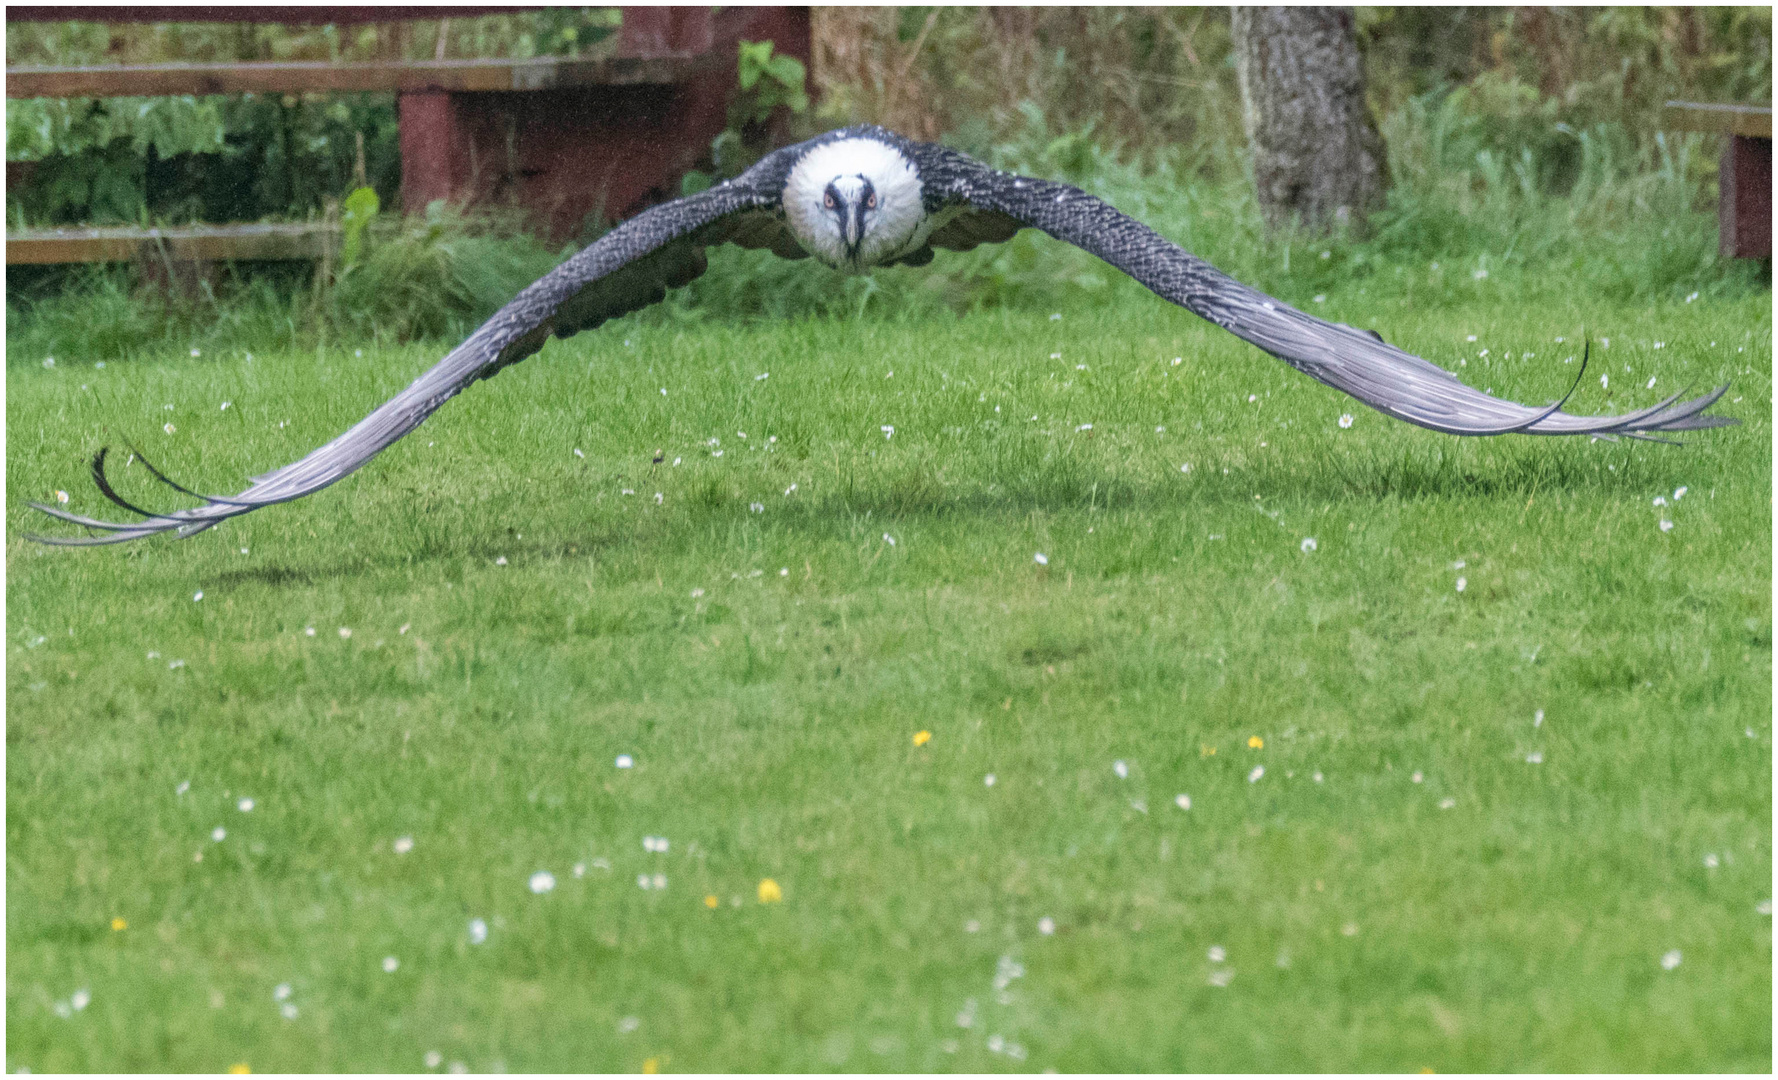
x=1751 y=120
x=317 y=76
x=199 y=243
x=343 y=16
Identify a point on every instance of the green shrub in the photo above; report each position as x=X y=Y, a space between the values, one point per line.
x=179 y=159
x=435 y=275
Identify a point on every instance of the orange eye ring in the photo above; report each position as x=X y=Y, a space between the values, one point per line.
x=827 y=200
x=870 y=201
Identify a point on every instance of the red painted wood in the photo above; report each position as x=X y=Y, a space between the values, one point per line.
x=431 y=147
x=666 y=31
x=1744 y=210
x=609 y=151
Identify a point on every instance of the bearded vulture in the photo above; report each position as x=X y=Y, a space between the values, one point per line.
x=865 y=197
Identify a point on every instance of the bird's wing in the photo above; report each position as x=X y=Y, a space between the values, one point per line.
x=628 y=268
x=989 y=205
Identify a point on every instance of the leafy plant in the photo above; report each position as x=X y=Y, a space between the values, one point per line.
x=37 y=128
x=767 y=81
x=92 y=154
x=239 y=158
x=359 y=209
x=568 y=31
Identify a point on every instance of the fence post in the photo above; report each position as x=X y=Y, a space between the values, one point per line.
x=431 y=148
x=1744 y=209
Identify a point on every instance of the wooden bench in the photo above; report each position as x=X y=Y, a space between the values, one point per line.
x=1744 y=209
x=561 y=138
x=302 y=241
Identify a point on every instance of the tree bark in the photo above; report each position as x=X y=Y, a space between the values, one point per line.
x=1317 y=157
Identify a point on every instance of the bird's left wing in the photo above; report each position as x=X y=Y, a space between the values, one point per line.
x=988 y=206
x=628 y=268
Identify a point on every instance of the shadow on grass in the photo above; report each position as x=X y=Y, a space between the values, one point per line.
x=1416 y=473
x=1444 y=469
x=271 y=575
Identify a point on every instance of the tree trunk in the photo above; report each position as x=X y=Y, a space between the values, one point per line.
x=1317 y=157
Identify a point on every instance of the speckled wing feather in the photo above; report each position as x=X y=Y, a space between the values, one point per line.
x=628 y=268
x=1361 y=364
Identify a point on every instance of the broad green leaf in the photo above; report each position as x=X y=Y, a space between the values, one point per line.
x=695 y=181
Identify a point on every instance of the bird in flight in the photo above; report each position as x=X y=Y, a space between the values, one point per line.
x=860 y=198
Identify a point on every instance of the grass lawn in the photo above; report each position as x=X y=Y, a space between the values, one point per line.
x=1423 y=874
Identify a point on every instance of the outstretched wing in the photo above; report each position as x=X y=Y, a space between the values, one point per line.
x=989 y=206
x=628 y=268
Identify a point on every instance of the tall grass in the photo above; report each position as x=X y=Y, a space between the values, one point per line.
x=435 y=276
x=1162 y=79
x=432 y=277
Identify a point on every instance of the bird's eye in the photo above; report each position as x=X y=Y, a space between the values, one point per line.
x=870 y=201
x=827 y=200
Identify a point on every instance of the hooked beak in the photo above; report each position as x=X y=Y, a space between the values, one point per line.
x=853 y=231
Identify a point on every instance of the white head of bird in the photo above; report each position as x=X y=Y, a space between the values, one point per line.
x=855 y=203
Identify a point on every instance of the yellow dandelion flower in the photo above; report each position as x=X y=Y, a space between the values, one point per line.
x=652 y=1065
x=240 y=1069
x=711 y=901
x=1255 y=742
x=1427 y=1069
x=769 y=892
x=119 y=924
x=1206 y=750
x=921 y=738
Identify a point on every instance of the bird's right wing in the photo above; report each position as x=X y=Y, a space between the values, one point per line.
x=990 y=206
x=628 y=268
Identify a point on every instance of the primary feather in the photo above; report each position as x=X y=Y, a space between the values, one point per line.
x=861 y=198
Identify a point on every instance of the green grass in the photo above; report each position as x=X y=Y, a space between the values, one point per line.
x=771 y=715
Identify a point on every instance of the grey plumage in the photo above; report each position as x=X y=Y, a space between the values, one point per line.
x=965 y=204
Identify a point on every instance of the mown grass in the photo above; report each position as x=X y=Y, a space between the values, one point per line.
x=478 y=706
